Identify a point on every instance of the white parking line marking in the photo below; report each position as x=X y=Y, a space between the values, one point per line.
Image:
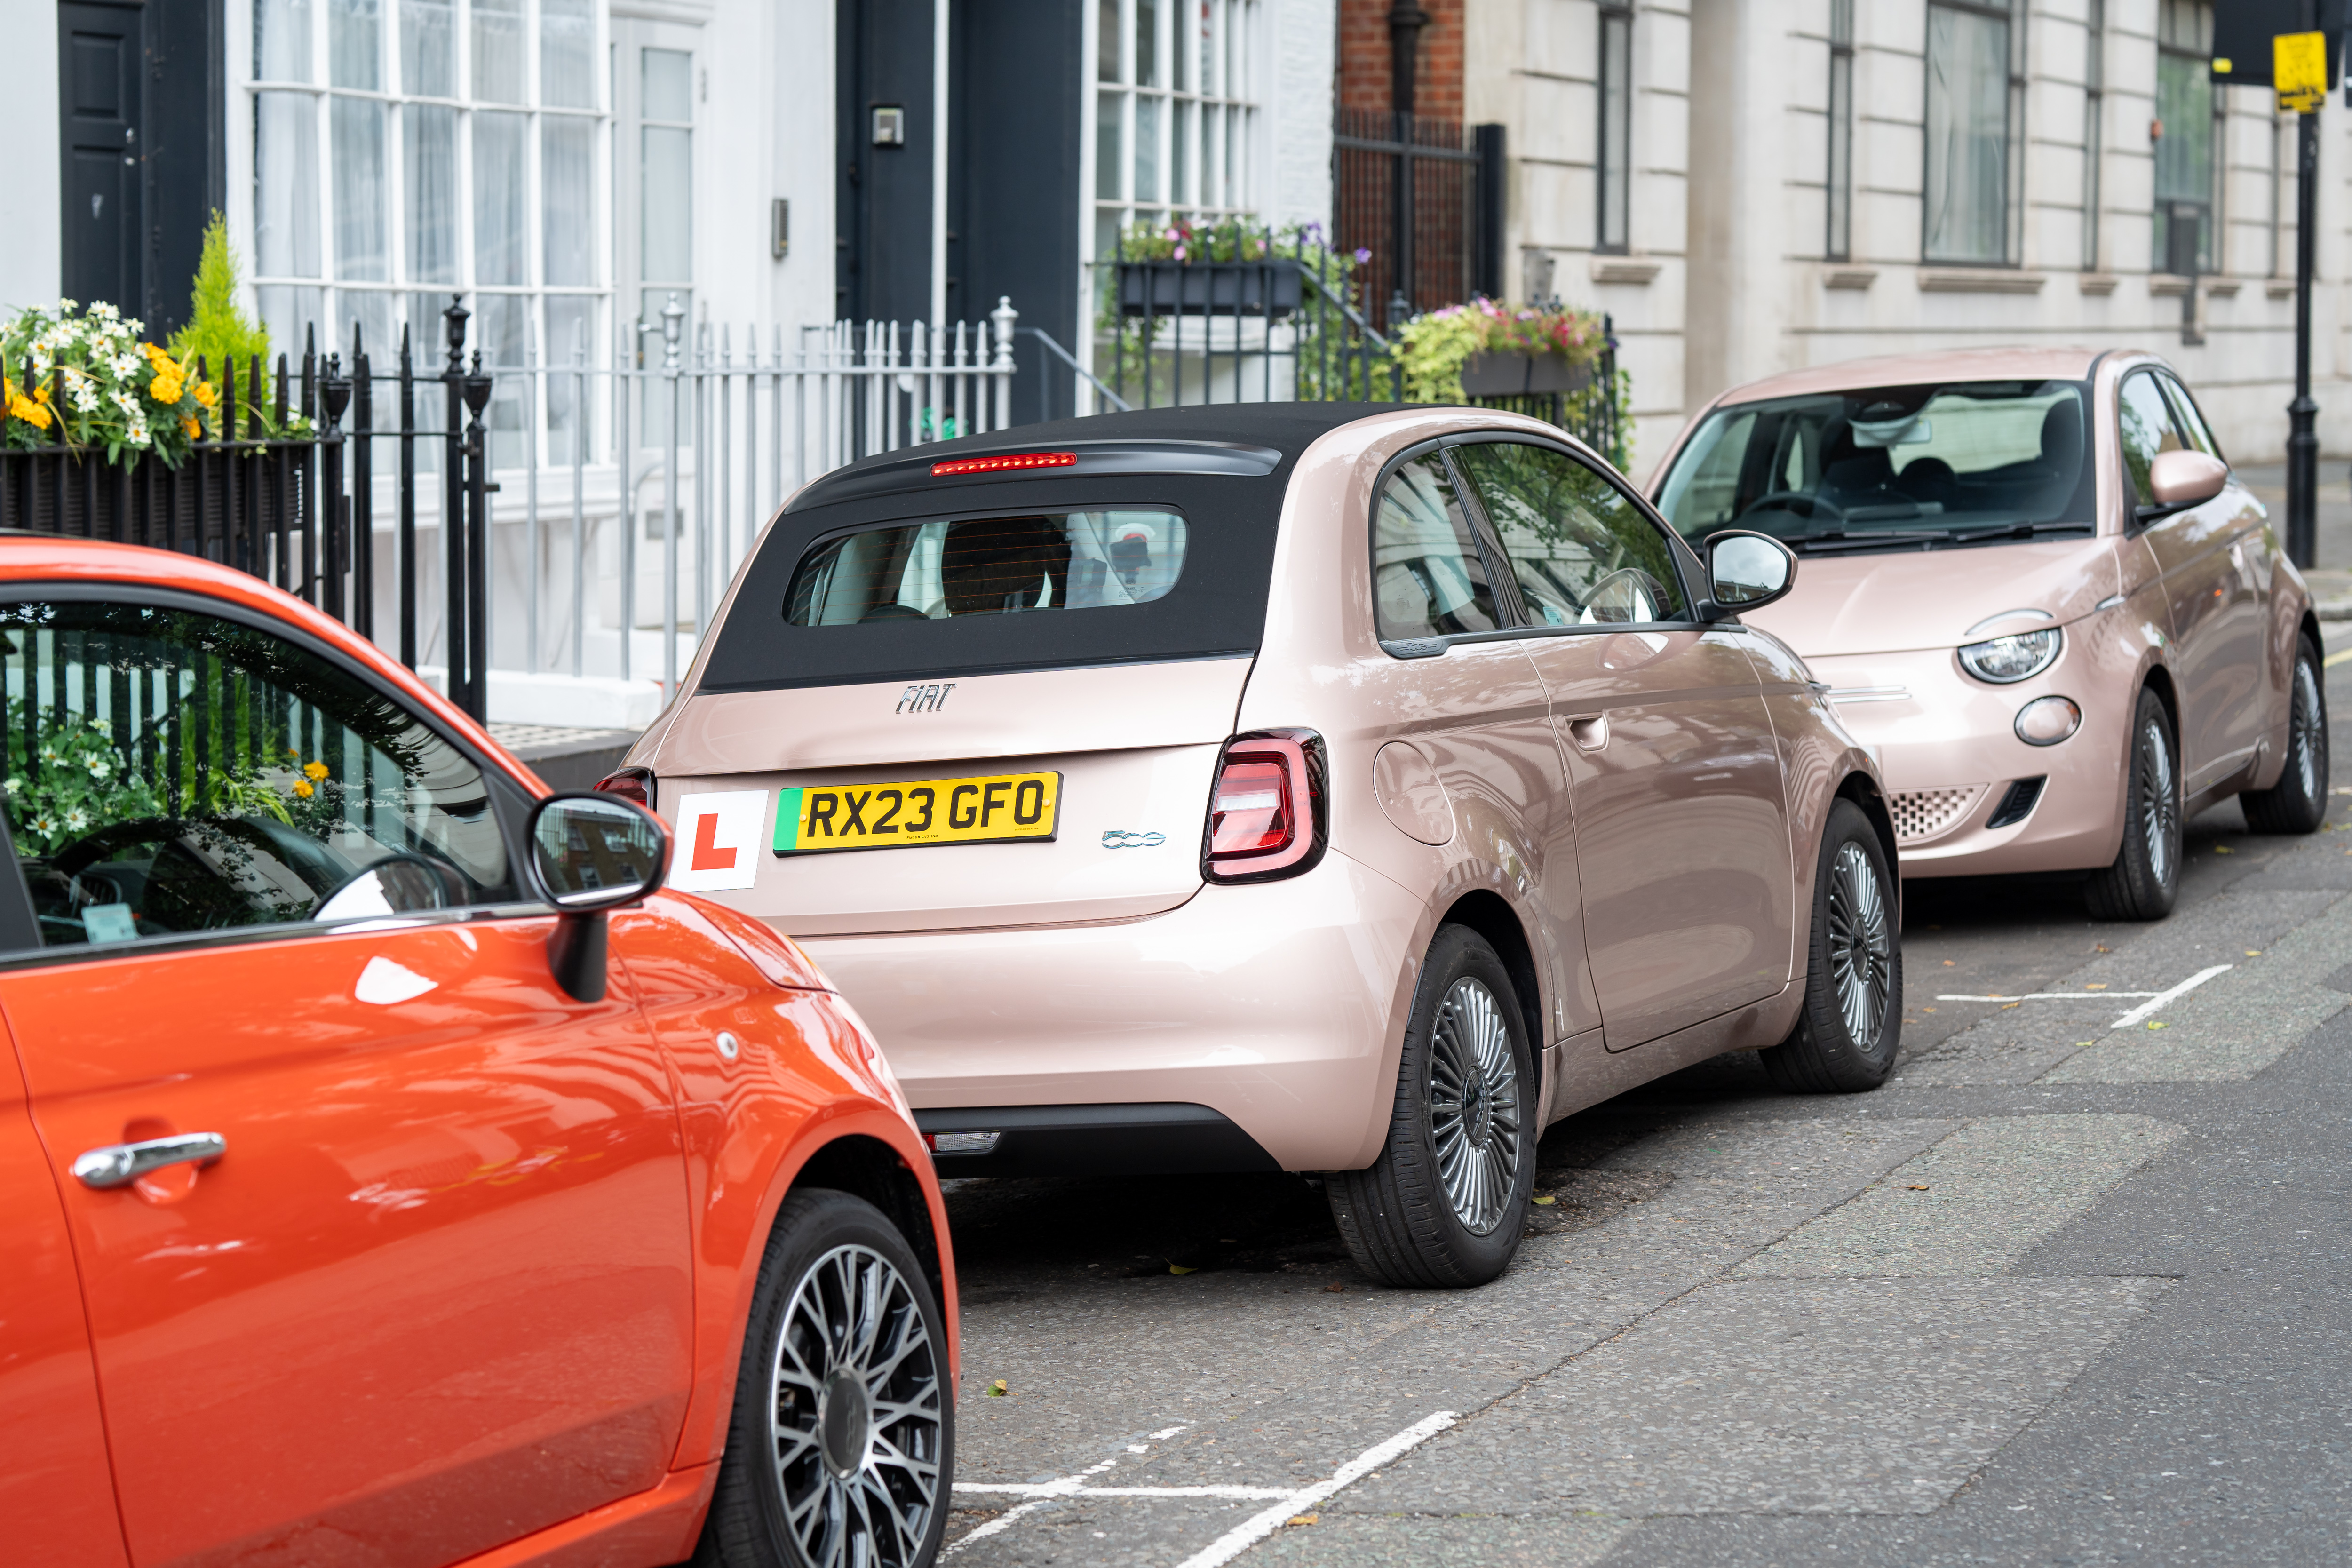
x=2054 y=996
x=1287 y=1501
x=2156 y=999
x=1242 y=1537
x=2183 y=989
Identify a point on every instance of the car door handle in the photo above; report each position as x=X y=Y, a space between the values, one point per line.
x=120 y=1164
x=1589 y=733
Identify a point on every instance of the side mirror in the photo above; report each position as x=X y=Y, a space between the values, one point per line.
x=2180 y=479
x=1745 y=570
x=591 y=853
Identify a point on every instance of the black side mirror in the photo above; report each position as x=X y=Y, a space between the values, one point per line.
x=591 y=853
x=1747 y=571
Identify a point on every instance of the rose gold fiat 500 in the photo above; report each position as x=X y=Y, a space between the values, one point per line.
x=2038 y=594
x=1307 y=787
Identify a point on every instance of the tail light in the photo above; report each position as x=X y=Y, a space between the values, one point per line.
x=630 y=784
x=1267 y=815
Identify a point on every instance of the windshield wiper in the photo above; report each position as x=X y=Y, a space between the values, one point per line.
x=1839 y=539
x=2021 y=528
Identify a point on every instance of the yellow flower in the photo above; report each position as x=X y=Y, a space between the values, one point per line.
x=166 y=386
x=189 y=428
x=30 y=412
x=314 y=771
x=206 y=393
x=302 y=788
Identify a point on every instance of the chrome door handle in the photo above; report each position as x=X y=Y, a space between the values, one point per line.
x=120 y=1164
x=1589 y=733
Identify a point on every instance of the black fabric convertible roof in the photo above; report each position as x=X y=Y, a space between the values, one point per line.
x=1225 y=467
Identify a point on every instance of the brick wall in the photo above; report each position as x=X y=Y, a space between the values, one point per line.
x=1364 y=58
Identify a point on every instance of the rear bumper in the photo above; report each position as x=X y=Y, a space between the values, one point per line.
x=1278 y=1007
x=1090 y=1140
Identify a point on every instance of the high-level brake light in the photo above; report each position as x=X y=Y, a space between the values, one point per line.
x=1266 y=814
x=1002 y=464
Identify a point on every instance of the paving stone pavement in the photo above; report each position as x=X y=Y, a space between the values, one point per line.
x=2060 y=1293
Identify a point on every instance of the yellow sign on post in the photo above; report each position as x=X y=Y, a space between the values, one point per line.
x=2299 y=71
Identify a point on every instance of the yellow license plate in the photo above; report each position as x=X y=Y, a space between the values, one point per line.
x=988 y=809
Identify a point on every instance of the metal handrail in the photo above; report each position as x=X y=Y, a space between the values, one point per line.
x=1123 y=406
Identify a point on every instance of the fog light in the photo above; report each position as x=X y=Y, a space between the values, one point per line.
x=2046 y=721
x=964 y=1142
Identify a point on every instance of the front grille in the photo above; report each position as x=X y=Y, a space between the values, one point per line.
x=1922 y=814
x=2018 y=804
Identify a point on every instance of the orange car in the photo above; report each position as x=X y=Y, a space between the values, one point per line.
x=394 y=1175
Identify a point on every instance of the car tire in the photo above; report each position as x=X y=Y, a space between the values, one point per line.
x=1851 y=1024
x=2146 y=875
x=813 y=1473
x=1447 y=1201
x=2298 y=802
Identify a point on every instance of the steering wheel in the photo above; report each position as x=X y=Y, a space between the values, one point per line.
x=1814 y=504
x=184 y=894
x=1625 y=582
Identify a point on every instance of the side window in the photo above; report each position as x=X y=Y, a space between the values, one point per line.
x=2185 y=414
x=1582 y=553
x=173 y=772
x=2146 y=425
x=1428 y=578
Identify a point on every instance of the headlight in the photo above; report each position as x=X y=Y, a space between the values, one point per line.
x=2002 y=661
x=2046 y=721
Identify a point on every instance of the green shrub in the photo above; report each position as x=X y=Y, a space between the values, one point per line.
x=217 y=328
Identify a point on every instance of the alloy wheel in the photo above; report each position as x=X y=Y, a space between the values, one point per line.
x=2159 y=806
x=1860 y=943
x=855 y=1426
x=2305 y=743
x=1473 y=1102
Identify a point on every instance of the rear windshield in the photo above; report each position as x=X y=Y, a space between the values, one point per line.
x=973 y=578
x=1911 y=467
x=951 y=568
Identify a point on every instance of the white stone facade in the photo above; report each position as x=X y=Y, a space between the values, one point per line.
x=1726 y=275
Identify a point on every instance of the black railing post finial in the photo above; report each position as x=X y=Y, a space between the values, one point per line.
x=453 y=321
x=326 y=503
x=477 y=392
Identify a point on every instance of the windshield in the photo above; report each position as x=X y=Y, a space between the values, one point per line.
x=1891 y=467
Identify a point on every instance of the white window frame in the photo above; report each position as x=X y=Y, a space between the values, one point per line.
x=426 y=340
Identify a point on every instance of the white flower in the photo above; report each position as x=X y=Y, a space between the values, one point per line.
x=99 y=767
x=103 y=726
x=13 y=785
x=77 y=819
x=44 y=823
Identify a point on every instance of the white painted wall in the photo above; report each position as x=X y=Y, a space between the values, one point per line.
x=1297 y=119
x=29 y=195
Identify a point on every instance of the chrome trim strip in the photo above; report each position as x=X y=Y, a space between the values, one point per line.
x=1868 y=694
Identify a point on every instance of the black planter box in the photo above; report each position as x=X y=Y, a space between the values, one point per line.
x=1513 y=375
x=1269 y=287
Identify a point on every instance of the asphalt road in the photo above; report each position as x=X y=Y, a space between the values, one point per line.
x=2060 y=1293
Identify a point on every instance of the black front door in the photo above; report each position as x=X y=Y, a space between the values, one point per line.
x=882 y=195
x=100 y=56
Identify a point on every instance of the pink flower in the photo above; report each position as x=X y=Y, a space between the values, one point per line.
x=1180 y=253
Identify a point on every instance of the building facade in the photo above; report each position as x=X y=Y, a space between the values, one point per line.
x=1753 y=185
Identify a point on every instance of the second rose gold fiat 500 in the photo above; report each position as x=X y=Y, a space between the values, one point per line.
x=1309 y=787
x=2035 y=587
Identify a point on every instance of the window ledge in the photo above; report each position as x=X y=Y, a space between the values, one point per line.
x=2222 y=287
x=1623 y=270
x=1979 y=280
x=2279 y=289
x=2097 y=283
x=1840 y=275
x=2167 y=285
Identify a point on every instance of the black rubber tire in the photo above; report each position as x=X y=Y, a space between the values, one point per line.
x=2142 y=883
x=1398 y=1222
x=2298 y=802
x=1824 y=1054
x=745 y=1527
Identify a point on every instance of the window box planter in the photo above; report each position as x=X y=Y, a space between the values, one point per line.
x=1269 y=287
x=1513 y=375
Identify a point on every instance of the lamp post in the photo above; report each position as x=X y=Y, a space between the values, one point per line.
x=2302 y=437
